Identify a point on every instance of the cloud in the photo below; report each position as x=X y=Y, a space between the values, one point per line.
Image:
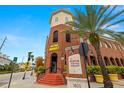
x=117 y=27
x=15 y=40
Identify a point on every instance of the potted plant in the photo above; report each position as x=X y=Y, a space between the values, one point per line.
x=91 y=73
x=98 y=75
x=113 y=72
x=122 y=72
x=119 y=72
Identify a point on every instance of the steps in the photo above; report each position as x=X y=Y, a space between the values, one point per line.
x=51 y=79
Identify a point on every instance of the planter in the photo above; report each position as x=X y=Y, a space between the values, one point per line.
x=99 y=78
x=120 y=76
x=113 y=77
x=92 y=78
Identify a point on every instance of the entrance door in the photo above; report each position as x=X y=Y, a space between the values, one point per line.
x=53 y=63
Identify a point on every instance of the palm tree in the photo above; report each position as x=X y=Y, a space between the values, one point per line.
x=94 y=23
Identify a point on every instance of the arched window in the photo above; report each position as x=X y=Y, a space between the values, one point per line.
x=106 y=60
x=112 y=61
x=122 y=62
x=68 y=37
x=56 y=19
x=55 y=36
x=66 y=19
x=117 y=61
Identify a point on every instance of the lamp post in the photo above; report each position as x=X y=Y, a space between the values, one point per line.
x=12 y=69
x=84 y=52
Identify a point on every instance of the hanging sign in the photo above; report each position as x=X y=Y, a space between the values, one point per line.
x=75 y=64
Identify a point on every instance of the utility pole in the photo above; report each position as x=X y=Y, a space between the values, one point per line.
x=12 y=70
x=3 y=43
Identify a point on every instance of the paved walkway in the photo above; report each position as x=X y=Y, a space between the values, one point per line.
x=29 y=82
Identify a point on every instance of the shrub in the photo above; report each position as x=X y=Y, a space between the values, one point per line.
x=97 y=70
x=7 y=67
x=35 y=69
x=113 y=69
x=90 y=69
x=94 y=70
x=1 y=67
x=122 y=70
x=118 y=70
x=41 y=70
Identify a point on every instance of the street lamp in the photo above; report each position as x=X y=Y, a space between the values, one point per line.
x=84 y=52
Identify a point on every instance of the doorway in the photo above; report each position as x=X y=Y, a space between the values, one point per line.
x=53 y=63
x=93 y=60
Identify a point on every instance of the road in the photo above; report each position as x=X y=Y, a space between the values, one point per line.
x=30 y=82
x=4 y=78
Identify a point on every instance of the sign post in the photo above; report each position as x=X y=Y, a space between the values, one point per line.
x=12 y=68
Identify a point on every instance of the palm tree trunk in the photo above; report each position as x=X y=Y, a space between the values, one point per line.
x=106 y=79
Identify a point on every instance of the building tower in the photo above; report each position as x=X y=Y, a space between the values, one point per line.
x=55 y=46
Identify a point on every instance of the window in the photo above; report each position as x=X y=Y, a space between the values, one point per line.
x=68 y=37
x=66 y=19
x=55 y=36
x=56 y=19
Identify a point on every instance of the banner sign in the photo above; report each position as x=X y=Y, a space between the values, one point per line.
x=54 y=47
x=75 y=64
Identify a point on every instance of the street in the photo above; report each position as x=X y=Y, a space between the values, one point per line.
x=30 y=82
x=4 y=78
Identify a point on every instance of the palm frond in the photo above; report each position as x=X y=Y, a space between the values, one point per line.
x=118 y=36
x=109 y=19
x=117 y=22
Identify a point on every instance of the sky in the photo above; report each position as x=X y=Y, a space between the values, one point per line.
x=27 y=27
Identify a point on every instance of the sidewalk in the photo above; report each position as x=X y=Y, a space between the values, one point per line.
x=29 y=82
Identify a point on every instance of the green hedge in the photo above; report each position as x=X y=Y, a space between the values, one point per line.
x=94 y=70
x=111 y=69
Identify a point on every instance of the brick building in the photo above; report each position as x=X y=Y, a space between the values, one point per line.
x=59 y=46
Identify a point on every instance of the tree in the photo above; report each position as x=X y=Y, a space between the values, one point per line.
x=94 y=23
x=39 y=61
